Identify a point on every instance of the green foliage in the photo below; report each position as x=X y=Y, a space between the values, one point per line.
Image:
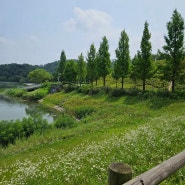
x=15 y=72
x=103 y=59
x=135 y=70
x=17 y=92
x=174 y=48
x=88 y=89
x=92 y=72
x=118 y=92
x=144 y=63
x=51 y=67
x=10 y=131
x=61 y=66
x=70 y=71
x=69 y=87
x=121 y=129
x=82 y=112
x=123 y=57
x=81 y=69
x=64 y=121
x=36 y=95
x=39 y=76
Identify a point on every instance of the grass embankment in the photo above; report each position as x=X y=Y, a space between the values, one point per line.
x=138 y=131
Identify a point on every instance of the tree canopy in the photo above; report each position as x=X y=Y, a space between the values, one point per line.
x=39 y=76
x=174 y=48
x=81 y=69
x=103 y=59
x=123 y=57
x=91 y=64
x=143 y=65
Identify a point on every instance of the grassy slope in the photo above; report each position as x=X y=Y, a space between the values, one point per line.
x=141 y=132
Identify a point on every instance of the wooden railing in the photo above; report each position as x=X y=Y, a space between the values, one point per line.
x=121 y=174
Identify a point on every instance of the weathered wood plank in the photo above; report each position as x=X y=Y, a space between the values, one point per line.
x=160 y=172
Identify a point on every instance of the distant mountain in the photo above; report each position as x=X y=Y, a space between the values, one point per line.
x=15 y=72
x=51 y=67
x=18 y=72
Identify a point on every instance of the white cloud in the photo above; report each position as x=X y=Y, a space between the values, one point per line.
x=5 y=41
x=90 y=26
x=88 y=21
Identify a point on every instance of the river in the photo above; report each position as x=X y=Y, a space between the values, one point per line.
x=12 y=109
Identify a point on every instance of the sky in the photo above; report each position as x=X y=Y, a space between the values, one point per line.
x=36 y=31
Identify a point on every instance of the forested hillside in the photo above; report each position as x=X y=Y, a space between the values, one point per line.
x=18 y=72
x=15 y=72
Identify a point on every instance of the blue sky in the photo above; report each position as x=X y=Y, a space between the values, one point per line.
x=36 y=31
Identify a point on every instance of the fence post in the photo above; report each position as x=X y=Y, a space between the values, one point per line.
x=119 y=173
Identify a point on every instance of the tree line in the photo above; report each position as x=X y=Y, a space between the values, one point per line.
x=168 y=64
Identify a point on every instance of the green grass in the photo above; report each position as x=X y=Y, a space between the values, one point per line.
x=139 y=131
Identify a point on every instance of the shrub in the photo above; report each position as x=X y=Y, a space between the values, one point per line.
x=84 y=89
x=36 y=95
x=17 y=92
x=64 y=121
x=69 y=87
x=12 y=130
x=117 y=92
x=134 y=92
x=84 y=111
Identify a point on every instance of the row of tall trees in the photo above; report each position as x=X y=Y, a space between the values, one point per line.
x=142 y=66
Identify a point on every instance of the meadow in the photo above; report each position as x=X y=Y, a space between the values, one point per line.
x=141 y=130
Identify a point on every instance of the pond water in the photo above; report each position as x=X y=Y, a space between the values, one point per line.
x=12 y=109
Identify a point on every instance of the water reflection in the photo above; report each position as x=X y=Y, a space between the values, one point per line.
x=12 y=109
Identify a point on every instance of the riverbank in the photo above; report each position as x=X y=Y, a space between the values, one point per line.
x=139 y=131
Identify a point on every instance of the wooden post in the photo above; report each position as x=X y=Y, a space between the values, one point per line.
x=119 y=173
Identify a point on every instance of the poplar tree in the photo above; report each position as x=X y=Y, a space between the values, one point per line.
x=61 y=66
x=91 y=64
x=81 y=69
x=103 y=60
x=70 y=71
x=174 y=48
x=145 y=62
x=134 y=72
x=123 y=57
x=116 y=72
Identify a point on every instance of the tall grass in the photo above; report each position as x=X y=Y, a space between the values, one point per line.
x=136 y=130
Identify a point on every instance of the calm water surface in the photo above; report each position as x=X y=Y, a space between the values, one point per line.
x=12 y=109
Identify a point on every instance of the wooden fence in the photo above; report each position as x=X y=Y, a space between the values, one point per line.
x=121 y=174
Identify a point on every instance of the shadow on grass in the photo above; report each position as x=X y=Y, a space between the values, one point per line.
x=153 y=101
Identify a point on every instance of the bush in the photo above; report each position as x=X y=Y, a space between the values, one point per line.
x=84 y=111
x=85 y=89
x=69 y=87
x=117 y=92
x=17 y=92
x=134 y=92
x=64 y=121
x=12 y=130
x=36 y=95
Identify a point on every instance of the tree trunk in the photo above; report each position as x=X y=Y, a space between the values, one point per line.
x=173 y=86
x=96 y=82
x=104 y=81
x=122 y=81
x=116 y=83
x=144 y=83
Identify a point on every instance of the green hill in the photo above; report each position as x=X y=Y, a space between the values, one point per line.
x=137 y=130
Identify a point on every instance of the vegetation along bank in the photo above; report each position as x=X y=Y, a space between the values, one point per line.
x=124 y=110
